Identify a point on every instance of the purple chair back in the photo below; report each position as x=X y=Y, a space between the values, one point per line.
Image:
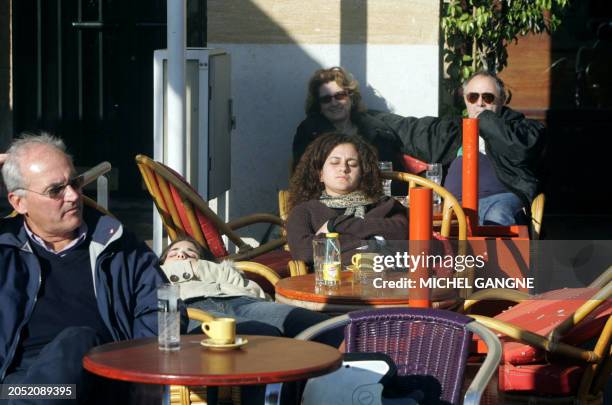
x=427 y=343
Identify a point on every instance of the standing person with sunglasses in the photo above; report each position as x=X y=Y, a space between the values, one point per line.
x=71 y=277
x=334 y=104
x=510 y=147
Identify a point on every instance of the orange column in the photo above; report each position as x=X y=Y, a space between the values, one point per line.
x=470 y=172
x=421 y=213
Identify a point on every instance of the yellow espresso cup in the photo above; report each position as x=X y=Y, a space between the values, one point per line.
x=364 y=260
x=221 y=331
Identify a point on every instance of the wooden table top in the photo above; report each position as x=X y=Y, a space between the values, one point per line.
x=349 y=295
x=264 y=359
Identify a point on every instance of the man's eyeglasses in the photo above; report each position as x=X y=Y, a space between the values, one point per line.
x=339 y=96
x=488 y=98
x=56 y=192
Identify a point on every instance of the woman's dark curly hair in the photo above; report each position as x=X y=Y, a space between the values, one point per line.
x=204 y=254
x=335 y=74
x=305 y=183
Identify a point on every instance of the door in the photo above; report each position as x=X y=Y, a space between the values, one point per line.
x=83 y=69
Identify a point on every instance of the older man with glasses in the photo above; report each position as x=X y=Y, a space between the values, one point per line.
x=510 y=147
x=71 y=277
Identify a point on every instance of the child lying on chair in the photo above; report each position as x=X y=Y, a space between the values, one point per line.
x=223 y=291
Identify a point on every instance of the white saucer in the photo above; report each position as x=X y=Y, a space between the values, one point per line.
x=239 y=342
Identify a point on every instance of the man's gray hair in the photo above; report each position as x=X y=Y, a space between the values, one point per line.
x=499 y=84
x=11 y=170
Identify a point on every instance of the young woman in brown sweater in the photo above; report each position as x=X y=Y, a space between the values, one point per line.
x=336 y=187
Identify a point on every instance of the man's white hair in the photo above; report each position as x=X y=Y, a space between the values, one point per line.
x=11 y=170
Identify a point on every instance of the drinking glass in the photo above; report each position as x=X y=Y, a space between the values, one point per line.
x=386 y=166
x=168 y=317
x=434 y=173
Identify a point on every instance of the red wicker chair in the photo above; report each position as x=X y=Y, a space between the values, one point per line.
x=184 y=212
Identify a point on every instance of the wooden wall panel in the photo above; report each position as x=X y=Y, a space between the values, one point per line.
x=528 y=74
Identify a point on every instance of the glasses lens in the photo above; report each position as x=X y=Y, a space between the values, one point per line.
x=342 y=95
x=56 y=191
x=472 y=98
x=76 y=183
x=488 y=98
x=325 y=99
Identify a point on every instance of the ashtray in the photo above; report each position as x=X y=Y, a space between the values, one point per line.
x=239 y=342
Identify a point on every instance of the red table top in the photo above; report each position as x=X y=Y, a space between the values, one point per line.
x=262 y=360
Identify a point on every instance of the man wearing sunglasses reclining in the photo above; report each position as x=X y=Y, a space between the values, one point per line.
x=71 y=278
x=510 y=146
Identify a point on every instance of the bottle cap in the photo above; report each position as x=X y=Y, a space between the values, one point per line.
x=331 y=235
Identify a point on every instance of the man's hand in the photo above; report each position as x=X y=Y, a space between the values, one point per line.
x=3 y=157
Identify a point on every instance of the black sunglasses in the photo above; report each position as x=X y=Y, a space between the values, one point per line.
x=488 y=98
x=57 y=191
x=339 y=96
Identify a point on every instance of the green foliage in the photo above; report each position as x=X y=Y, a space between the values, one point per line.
x=477 y=32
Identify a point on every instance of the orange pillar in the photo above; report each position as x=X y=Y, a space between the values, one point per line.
x=421 y=215
x=470 y=172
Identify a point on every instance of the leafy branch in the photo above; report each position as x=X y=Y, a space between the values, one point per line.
x=477 y=32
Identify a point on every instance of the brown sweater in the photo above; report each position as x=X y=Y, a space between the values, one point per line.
x=387 y=218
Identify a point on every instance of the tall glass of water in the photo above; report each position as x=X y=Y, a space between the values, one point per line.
x=434 y=173
x=386 y=166
x=168 y=317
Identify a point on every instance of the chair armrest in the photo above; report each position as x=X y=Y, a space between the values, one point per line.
x=533 y=339
x=488 y=367
x=199 y=315
x=254 y=219
x=603 y=279
x=95 y=172
x=260 y=269
x=297 y=268
x=322 y=327
x=495 y=294
x=249 y=252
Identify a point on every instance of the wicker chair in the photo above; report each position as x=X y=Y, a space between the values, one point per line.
x=428 y=346
x=537 y=215
x=184 y=212
x=556 y=345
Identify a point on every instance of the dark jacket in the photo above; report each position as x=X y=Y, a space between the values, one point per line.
x=387 y=218
x=513 y=143
x=375 y=131
x=125 y=275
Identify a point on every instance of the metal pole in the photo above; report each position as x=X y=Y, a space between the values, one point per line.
x=176 y=85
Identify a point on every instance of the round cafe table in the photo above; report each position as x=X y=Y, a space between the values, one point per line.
x=263 y=360
x=351 y=295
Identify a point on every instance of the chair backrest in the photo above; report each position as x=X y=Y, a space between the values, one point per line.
x=450 y=204
x=182 y=210
x=431 y=344
x=537 y=214
x=421 y=342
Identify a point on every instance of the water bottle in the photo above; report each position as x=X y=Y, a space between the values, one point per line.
x=168 y=317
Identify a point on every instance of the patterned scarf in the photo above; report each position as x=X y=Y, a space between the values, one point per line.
x=354 y=203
